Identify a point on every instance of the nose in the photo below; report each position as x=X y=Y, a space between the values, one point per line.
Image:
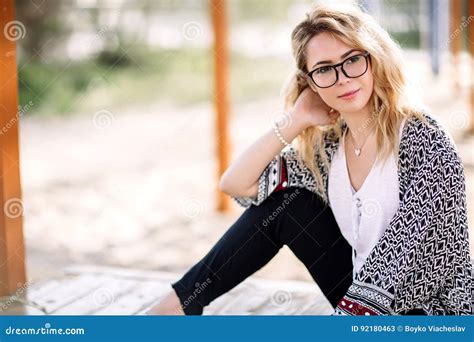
x=341 y=79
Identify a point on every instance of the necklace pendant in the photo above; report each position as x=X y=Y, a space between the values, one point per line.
x=357 y=151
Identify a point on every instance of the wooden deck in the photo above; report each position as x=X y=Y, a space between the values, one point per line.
x=93 y=290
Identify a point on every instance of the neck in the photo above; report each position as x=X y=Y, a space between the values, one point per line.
x=360 y=124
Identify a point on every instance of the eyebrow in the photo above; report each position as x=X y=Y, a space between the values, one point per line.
x=342 y=56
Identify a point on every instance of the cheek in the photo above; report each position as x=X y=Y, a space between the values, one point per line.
x=368 y=80
x=325 y=94
x=329 y=96
x=369 y=86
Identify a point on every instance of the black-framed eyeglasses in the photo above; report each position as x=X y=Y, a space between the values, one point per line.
x=352 y=67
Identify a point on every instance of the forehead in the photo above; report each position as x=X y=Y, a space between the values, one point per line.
x=325 y=47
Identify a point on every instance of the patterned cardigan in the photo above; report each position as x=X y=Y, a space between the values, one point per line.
x=423 y=257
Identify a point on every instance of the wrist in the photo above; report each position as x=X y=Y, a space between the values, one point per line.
x=297 y=125
x=298 y=121
x=288 y=130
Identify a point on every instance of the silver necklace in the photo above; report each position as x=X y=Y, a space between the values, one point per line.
x=358 y=150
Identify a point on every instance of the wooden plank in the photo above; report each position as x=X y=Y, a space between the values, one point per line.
x=39 y=298
x=253 y=296
x=70 y=291
x=151 y=287
x=271 y=297
x=12 y=251
x=247 y=303
x=142 y=296
x=110 y=289
x=96 y=290
x=122 y=272
x=238 y=300
x=21 y=309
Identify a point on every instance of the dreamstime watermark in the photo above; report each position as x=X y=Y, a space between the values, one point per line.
x=282 y=119
x=103 y=297
x=281 y=298
x=99 y=34
x=458 y=119
x=103 y=119
x=37 y=5
x=46 y=330
x=371 y=207
x=288 y=199
x=13 y=208
x=368 y=121
x=199 y=289
x=22 y=110
x=14 y=30
x=464 y=23
x=192 y=207
x=192 y=30
x=14 y=298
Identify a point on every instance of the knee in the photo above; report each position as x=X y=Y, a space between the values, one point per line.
x=297 y=198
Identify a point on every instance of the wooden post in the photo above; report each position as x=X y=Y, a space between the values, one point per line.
x=12 y=251
x=221 y=97
x=470 y=15
x=456 y=41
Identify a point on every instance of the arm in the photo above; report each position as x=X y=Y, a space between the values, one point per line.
x=245 y=180
x=424 y=253
x=283 y=171
x=242 y=177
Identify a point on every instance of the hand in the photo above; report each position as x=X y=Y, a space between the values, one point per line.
x=310 y=110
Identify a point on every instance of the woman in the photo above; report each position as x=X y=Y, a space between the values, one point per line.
x=373 y=199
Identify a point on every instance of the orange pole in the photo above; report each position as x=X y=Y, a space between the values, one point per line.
x=12 y=251
x=221 y=93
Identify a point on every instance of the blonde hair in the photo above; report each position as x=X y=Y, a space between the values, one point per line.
x=388 y=102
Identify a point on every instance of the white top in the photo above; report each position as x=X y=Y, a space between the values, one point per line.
x=363 y=215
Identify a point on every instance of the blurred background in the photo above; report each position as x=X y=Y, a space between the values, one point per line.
x=117 y=100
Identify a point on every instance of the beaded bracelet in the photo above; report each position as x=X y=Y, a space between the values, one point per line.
x=277 y=131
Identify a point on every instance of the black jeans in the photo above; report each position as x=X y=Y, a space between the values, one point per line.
x=294 y=217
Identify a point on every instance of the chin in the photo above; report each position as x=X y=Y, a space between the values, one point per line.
x=352 y=107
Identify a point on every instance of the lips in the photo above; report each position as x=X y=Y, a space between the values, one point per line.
x=349 y=93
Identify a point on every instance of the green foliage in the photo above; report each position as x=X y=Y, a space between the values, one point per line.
x=181 y=77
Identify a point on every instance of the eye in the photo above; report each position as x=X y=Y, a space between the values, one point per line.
x=353 y=59
x=322 y=70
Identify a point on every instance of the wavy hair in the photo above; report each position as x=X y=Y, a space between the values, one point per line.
x=389 y=102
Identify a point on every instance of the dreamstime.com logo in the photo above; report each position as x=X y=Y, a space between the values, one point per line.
x=46 y=330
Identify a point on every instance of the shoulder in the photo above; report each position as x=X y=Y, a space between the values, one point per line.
x=424 y=139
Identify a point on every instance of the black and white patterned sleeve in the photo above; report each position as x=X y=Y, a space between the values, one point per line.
x=285 y=170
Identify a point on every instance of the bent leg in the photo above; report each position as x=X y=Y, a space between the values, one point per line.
x=247 y=246
x=308 y=227
x=295 y=217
